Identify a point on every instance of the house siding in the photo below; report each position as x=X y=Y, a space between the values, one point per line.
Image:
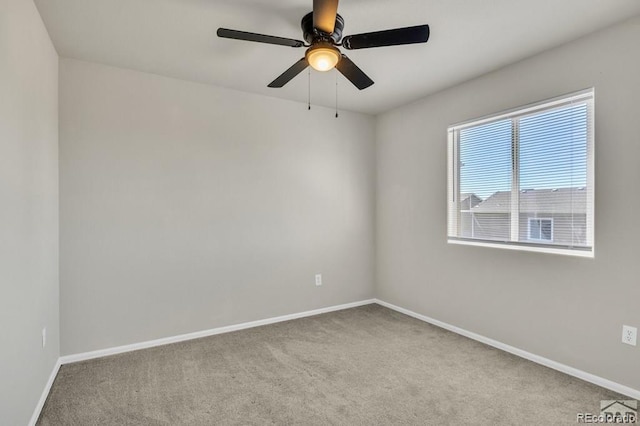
x=567 y=229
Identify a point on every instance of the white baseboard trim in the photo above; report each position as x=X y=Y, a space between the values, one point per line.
x=67 y=359
x=587 y=377
x=45 y=394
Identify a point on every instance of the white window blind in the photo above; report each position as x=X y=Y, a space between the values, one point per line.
x=524 y=178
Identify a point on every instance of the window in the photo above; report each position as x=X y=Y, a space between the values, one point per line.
x=540 y=229
x=523 y=179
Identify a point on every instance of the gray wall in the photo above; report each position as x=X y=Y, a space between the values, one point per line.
x=28 y=209
x=185 y=207
x=568 y=309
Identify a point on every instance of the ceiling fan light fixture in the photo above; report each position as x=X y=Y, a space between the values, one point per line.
x=323 y=57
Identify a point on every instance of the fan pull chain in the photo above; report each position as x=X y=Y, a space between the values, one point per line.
x=309 y=90
x=336 y=74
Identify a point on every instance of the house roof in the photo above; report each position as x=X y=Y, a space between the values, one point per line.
x=468 y=200
x=550 y=201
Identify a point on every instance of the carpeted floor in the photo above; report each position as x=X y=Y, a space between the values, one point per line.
x=361 y=366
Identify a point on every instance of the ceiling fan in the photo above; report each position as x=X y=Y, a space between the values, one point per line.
x=322 y=31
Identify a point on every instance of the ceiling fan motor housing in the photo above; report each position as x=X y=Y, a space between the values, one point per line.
x=313 y=35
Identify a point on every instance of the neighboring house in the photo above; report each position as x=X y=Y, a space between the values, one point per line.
x=554 y=216
x=468 y=201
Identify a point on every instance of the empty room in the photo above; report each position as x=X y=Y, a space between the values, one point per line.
x=319 y=212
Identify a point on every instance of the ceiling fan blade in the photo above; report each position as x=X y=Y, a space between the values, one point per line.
x=286 y=76
x=353 y=73
x=260 y=38
x=395 y=37
x=324 y=15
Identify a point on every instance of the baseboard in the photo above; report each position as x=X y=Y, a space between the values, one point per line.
x=587 y=377
x=45 y=394
x=67 y=359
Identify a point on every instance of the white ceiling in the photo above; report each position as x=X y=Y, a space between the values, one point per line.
x=177 y=38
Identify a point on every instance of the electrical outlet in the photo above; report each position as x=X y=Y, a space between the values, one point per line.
x=44 y=337
x=318 y=279
x=629 y=335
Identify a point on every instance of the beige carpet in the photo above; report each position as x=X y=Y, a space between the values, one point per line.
x=361 y=366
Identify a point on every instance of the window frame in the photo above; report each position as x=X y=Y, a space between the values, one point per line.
x=586 y=96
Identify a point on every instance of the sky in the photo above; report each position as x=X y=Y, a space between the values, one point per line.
x=552 y=152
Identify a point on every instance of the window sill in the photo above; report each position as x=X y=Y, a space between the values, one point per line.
x=525 y=247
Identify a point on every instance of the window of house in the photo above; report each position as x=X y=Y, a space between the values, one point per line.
x=523 y=179
x=540 y=229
